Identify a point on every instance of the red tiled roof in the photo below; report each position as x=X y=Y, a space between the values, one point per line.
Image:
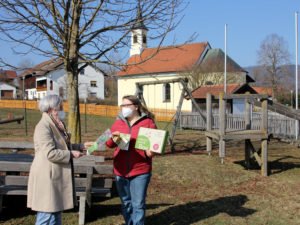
x=8 y=74
x=44 y=67
x=165 y=59
x=215 y=90
x=263 y=90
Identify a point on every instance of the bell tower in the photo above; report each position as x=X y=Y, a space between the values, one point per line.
x=138 y=35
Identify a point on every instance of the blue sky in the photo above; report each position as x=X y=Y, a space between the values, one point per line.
x=248 y=24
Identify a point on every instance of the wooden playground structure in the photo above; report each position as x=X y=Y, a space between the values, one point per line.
x=222 y=134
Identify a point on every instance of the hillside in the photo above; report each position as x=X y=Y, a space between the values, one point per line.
x=259 y=74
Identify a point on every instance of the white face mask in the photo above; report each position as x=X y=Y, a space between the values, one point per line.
x=127 y=112
x=61 y=115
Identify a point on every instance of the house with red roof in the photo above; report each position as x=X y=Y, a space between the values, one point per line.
x=167 y=63
x=50 y=77
x=234 y=106
x=196 y=61
x=8 y=75
x=8 y=84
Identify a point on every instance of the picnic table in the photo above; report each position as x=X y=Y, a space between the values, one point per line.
x=93 y=178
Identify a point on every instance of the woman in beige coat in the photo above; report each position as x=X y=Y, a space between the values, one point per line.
x=51 y=182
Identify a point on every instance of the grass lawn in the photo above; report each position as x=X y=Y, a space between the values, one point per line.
x=188 y=186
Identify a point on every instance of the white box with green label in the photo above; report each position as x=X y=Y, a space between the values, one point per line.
x=151 y=139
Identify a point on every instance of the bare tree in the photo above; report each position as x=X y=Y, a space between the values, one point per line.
x=273 y=55
x=83 y=29
x=211 y=73
x=24 y=64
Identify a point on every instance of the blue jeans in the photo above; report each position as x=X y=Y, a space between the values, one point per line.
x=48 y=218
x=132 y=192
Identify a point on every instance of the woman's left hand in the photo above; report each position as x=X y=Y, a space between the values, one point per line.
x=150 y=154
x=76 y=154
x=87 y=144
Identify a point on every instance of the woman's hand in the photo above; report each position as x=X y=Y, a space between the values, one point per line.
x=116 y=136
x=76 y=154
x=87 y=144
x=149 y=153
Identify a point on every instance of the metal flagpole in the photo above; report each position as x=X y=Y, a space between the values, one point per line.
x=225 y=61
x=296 y=91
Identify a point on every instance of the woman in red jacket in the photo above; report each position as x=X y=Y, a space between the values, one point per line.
x=132 y=167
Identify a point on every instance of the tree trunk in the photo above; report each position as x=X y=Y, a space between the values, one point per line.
x=71 y=65
x=74 y=111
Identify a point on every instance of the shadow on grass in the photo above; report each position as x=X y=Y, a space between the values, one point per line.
x=279 y=166
x=275 y=166
x=183 y=214
x=14 y=207
x=101 y=211
x=194 y=212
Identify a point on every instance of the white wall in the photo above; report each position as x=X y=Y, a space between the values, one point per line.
x=153 y=94
x=59 y=79
x=238 y=106
x=91 y=74
x=7 y=87
x=31 y=93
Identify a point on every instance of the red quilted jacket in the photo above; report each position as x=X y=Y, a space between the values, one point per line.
x=134 y=161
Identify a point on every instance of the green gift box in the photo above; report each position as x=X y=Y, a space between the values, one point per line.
x=151 y=139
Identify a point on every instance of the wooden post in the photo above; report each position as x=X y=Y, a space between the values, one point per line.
x=247 y=127
x=25 y=116
x=82 y=202
x=1 y=201
x=85 y=119
x=222 y=121
x=178 y=112
x=208 y=123
x=264 y=142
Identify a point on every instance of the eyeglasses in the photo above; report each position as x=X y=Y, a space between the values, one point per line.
x=126 y=105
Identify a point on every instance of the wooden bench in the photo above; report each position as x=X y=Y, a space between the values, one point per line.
x=89 y=179
x=11 y=120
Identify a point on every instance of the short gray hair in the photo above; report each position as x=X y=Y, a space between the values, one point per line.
x=50 y=102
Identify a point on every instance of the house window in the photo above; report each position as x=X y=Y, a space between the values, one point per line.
x=51 y=85
x=209 y=83
x=93 y=83
x=144 y=39
x=93 y=94
x=135 y=39
x=81 y=71
x=167 y=92
x=61 y=92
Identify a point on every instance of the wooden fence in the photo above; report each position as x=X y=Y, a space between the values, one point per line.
x=278 y=125
x=92 y=109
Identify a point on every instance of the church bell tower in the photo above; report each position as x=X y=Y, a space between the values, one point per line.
x=138 y=35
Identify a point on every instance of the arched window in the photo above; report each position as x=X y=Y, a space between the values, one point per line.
x=135 y=39
x=144 y=39
x=167 y=92
x=51 y=85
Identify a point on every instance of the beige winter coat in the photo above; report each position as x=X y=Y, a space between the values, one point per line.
x=50 y=185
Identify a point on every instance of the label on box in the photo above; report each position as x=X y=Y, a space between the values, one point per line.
x=151 y=139
x=99 y=144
